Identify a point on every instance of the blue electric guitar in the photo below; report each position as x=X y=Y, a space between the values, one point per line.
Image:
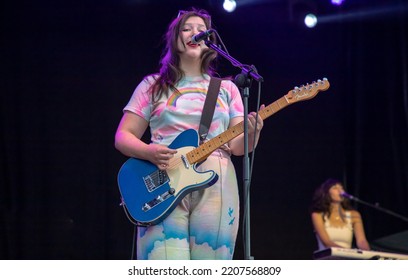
x=149 y=194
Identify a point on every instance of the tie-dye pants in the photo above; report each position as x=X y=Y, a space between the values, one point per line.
x=203 y=226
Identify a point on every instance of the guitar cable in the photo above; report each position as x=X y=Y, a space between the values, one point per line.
x=134 y=256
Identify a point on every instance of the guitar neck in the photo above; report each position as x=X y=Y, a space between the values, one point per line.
x=204 y=150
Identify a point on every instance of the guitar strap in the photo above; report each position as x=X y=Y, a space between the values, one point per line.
x=209 y=107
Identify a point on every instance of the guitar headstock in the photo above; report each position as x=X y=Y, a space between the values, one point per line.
x=307 y=91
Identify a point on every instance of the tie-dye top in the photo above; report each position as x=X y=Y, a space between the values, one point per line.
x=182 y=110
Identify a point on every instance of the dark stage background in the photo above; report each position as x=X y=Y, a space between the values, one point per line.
x=69 y=67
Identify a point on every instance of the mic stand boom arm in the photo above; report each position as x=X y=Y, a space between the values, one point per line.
x=251 y=72
x=378 y=207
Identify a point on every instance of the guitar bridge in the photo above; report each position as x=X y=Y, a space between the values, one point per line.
x=155 y=180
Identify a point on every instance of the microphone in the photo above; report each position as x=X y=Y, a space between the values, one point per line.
x=349 y=196
x=201 y=36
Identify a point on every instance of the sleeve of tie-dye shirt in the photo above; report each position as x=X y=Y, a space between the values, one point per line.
x=140 y=102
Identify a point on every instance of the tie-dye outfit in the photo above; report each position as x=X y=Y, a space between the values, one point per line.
x=205 y=223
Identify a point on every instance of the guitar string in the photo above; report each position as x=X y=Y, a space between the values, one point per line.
x=174 y=163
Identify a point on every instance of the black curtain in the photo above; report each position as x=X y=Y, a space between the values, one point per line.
x=377 y=118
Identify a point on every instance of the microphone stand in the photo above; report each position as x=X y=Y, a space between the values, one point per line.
x=243 y=81
x=251 y=71
x=378 y=207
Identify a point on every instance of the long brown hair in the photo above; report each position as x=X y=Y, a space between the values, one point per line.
x=321 y=198
x=170 y=72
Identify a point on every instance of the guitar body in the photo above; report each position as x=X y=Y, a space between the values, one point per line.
x=149 y=194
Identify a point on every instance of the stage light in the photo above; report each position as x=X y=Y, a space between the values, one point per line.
x=337 y=2
x=303 y=12
x=229 y=5
x=310 y=20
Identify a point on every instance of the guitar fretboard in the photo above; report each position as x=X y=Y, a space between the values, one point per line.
x=204 y=150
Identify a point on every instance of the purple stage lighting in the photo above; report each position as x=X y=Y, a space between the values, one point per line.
x=337 y=2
